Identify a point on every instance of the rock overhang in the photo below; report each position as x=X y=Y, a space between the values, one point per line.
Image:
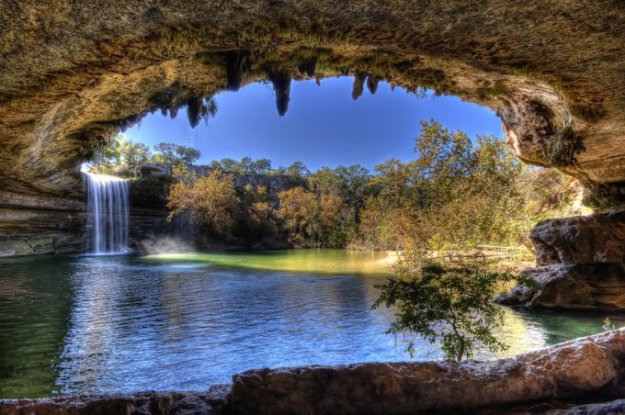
x=71 y=73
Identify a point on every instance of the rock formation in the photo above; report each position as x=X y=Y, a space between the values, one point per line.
x=573 y=377
x=146 y=403
x=580 y=264
x=72 y=73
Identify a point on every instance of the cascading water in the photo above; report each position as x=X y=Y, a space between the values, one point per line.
x=109 y=208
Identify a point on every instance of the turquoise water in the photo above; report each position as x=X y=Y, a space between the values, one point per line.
x=123 y=324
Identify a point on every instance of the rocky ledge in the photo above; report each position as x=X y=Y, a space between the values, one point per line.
x=580 y=376
x=580 y=264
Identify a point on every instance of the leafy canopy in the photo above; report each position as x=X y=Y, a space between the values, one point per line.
x=451 y=306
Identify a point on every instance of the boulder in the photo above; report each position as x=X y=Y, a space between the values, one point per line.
x=145 y=403
x=580 y=264
x=560 y=372
x=589 y=239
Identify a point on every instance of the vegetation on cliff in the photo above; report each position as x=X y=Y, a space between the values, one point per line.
x=457 y=193
x=123 y=157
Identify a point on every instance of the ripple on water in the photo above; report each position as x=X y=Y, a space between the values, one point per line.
x=123 y=324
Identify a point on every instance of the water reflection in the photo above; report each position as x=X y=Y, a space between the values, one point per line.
x=35 y=304
x=105 y=324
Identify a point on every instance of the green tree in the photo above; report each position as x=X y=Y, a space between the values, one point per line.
x=230 y=165
x=450 y=306
x=253 y=167
x=297 y=171
x=354 y=180
x=133 y=155
x=106 y=159
x=175 y=154
x=261 y=166
x=324 y=181
x=394 y=182
x=120 y=157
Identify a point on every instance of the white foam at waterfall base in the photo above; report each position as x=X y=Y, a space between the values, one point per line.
x=109 y=208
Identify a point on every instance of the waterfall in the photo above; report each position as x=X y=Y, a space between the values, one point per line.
x=108 y=214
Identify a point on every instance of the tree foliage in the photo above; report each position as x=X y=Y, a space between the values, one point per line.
x=124 y=157
x=120 y=157
x=212 y=201
x=456 y=192
x=452 y=307
x=175 y=154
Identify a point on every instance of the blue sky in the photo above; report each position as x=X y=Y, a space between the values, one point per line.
x=323 y=126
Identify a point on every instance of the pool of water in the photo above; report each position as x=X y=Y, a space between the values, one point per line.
x=184 y=322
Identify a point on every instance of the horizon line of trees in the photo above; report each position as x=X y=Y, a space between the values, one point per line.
x=123 y=158
x=454 y=193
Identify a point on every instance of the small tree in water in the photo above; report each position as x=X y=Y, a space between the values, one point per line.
x=451 y=305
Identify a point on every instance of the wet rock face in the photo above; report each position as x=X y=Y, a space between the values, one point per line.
x=583 y=370
x=581 y=264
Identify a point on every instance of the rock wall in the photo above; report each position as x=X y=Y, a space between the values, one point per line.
x=32 y=224
x=581 y=376
x=150 y=231
x=580 y=264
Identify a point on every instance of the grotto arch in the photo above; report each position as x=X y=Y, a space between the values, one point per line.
x=71 y=75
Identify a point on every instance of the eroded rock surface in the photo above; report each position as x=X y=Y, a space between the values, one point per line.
x=559 y=372
x=146 y=403
x=604 y=408
x=580 y=264
x=40 y=225
x=590 y=239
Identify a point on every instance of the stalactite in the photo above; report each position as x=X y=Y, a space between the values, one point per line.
x=308 y=66
x=359 y=84
x=237 y=64
x=372 y=84
x=194 y=110
x=282 y=86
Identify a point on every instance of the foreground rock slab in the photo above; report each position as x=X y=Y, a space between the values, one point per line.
x=584 y=373
x=145 y=403
x=565 y=371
